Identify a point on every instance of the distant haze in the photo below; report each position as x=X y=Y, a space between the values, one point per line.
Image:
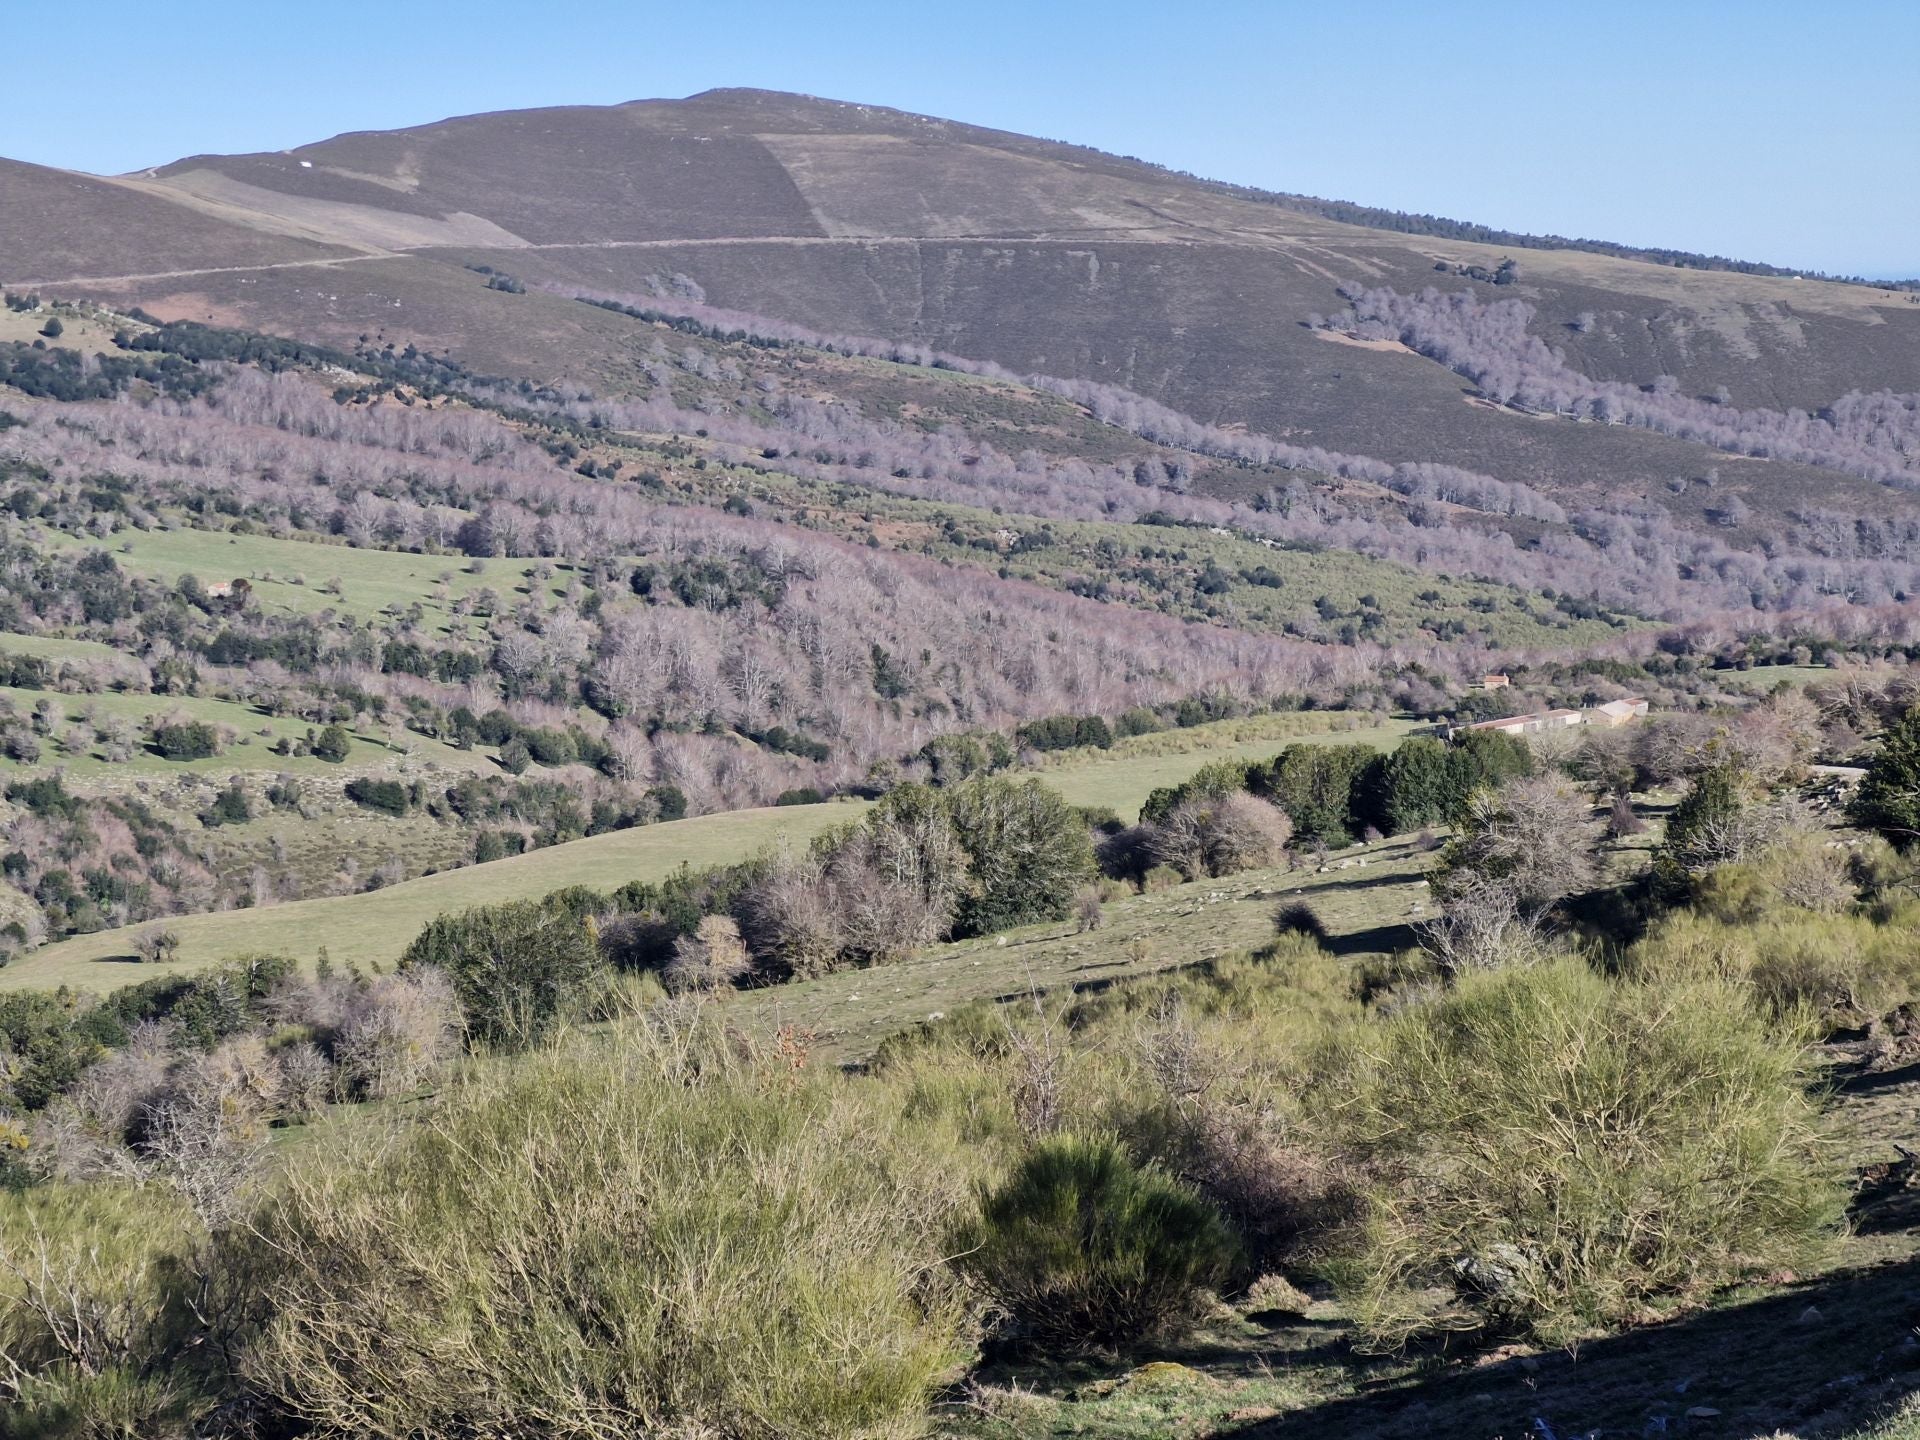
x=1763 y=131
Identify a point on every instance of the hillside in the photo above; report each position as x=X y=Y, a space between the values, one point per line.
x=1043 y=257
x=753 y=766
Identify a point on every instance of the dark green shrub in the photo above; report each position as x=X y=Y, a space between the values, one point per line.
x=185 y=740
x=1315 y=785
x=953 y=758
x=497 y=845
x=550 y=747
x=1028 y=853
x=1888 y=796
x=518 y=968
x=1297 y=917
x=231 y=807
x=1719 y=821
x=1209 y=782
x=387 y=796
x=1065 y=732
x=1084 y=1248
x=1420 y=786
x=805 y=795
x=46 y=795
x=333 y=744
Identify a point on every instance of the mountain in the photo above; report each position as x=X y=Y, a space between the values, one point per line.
x=1044 y=257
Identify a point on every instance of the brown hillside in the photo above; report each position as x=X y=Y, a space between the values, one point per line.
x=1046 y=257
x=57 y=226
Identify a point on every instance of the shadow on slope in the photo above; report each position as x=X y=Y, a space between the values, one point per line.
x=1810 y=1359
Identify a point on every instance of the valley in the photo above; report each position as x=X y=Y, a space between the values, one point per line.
x=754 y=766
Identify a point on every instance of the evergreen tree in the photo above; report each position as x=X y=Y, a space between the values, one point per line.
x=1888 y=796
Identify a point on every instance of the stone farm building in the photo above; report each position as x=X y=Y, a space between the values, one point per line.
x=1609 y=715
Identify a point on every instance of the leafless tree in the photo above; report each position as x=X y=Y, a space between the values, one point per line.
x=1534 y=837
x=710 y=959
x=1219 y=835
x=1481 y=926
x=398 y=1032
x=156 y=944
x=212 y=1159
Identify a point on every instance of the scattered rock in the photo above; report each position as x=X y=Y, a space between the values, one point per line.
x=1809 y=1316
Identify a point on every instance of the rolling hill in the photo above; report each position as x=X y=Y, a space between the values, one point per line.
x=1045 y=257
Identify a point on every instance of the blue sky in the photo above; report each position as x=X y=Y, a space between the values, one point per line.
x=1787 y=133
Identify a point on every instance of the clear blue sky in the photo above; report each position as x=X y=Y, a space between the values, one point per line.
x=1772 y=131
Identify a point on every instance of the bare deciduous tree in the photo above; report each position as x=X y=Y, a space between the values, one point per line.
x=711 y=958
x=1534 y=836
x=204 y=1152
x=1481 y=926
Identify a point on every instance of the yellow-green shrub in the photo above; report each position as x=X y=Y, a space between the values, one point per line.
x=94 y=1320
x=590 y=1242
x=1561 y=1149
x=1840 y=968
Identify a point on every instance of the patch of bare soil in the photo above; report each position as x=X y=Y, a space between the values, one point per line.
x=1335 y=337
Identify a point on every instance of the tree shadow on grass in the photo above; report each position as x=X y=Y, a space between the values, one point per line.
x=1813 y=1359
x=1362 y=881
x=1375 y=940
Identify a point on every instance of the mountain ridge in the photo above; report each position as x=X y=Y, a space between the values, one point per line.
x=1042 y=256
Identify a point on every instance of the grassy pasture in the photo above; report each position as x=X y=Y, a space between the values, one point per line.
x=256 y=732
x=371 y=581
x=57 y=648
x=1762 y=678
x=82 y=328
x=374 y=928
x=1366 y=897
x=315 y=854
x=1124 y=776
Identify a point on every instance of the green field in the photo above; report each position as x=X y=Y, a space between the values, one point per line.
x=374 y=928
x=1368 y=899
x=1762 y=678
x=57 y=648
x=1123 y=777
x=290 y=576
x=255 y=732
